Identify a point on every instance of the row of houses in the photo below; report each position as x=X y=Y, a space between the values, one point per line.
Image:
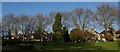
x=109 y=35
x=91 y=34
x=29 y=37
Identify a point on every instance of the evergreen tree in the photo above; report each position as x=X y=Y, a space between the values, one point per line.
x=57 y=23
x=57 y=26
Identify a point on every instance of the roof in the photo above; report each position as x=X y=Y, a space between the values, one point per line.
x=118 y=32
x=110 y=31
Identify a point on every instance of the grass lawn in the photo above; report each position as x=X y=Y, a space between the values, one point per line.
x=112 y=46
x=104 y=46
x=80 y=46
x=108 y=45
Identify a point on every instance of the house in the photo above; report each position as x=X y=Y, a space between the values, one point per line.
x=118 y=32
x=109 y=35
x=43 y=36
x=118 y=35
x=91 y=34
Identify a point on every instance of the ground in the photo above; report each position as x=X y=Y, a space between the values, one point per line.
x=108 y=46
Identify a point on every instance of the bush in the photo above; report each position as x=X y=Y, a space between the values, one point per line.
x=76 y=34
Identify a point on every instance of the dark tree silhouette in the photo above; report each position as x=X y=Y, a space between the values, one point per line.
x=66 y=35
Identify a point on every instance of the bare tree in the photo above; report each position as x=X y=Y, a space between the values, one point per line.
x=31 y=24
x=7 y=23
x=82 y=17
x=52 y=19
x=106 y=15
x=23 y=21
x=52 y=16
x=41 y=23
x=16 y=26
x=66 y=19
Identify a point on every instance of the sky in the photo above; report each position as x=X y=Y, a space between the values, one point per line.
x=60 y=0
x=0 y=11
x=32 y=8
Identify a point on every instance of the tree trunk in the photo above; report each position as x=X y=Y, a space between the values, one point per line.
x=9 y=34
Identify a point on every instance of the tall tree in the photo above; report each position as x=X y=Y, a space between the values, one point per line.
x=7 y=23
x=31 y=25
x=76 y=13
x=16 y=26
x=23 y=21
x=82 y=17
x=106 y=15
x=57 y=28
x=66 y=19
x=41 y=23
x=57 y=23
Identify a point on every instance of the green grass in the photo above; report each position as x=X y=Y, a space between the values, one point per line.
x=72 y=46
x=80 y=46
x=103 y=46
x=108 y=45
